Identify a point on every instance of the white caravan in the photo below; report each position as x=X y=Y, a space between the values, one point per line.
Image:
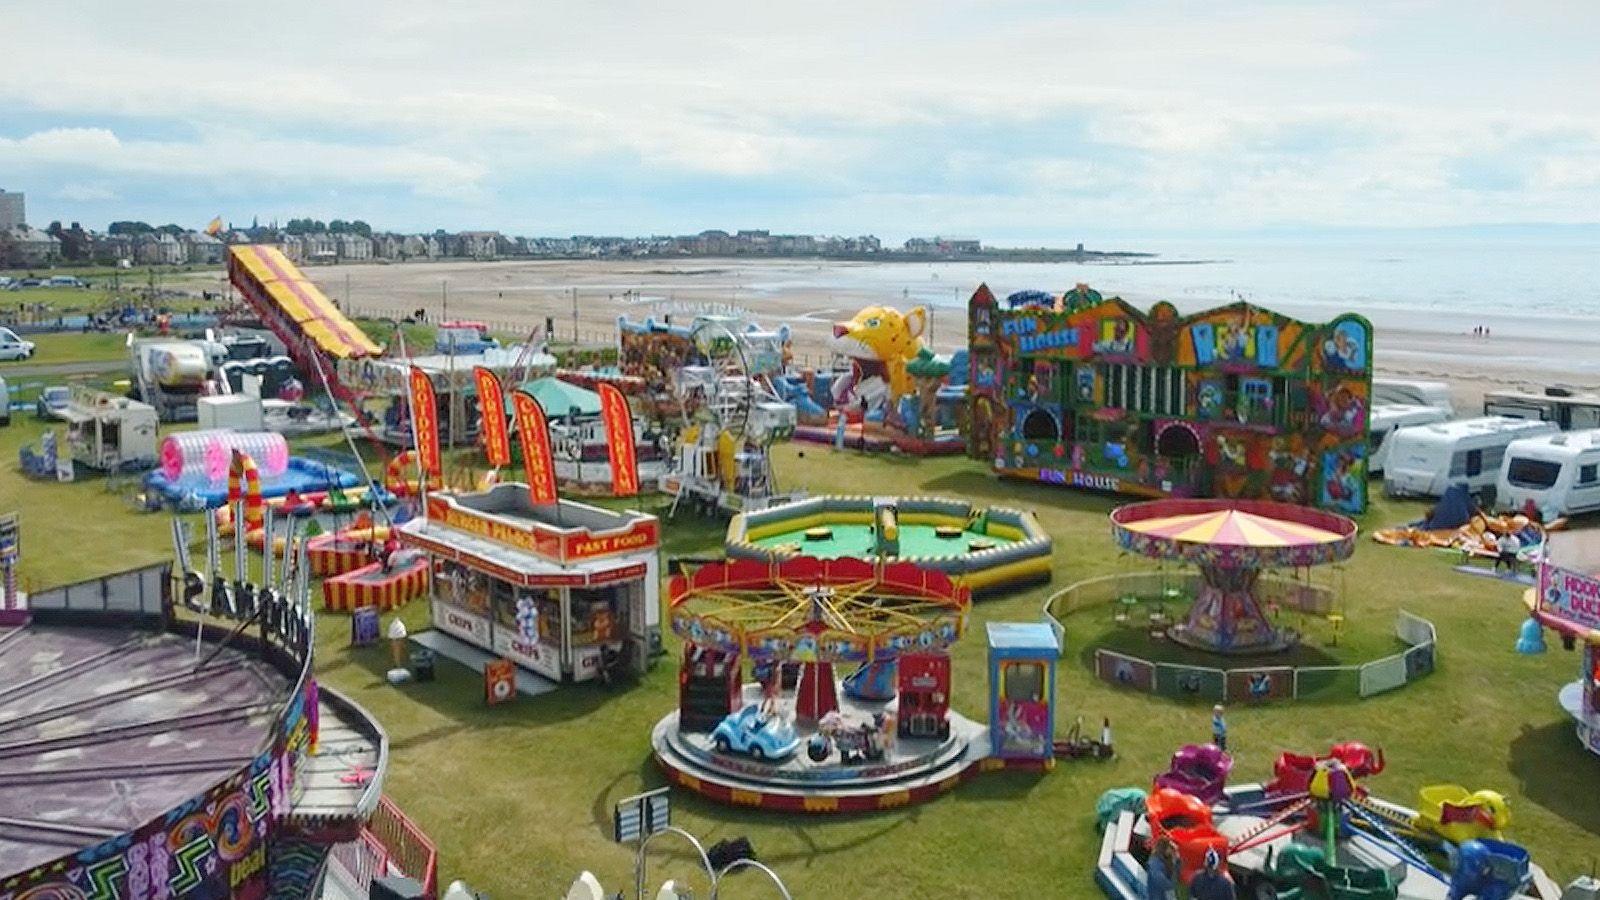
x=1558 y=473
x=1426 y=459
x=1386 y=419
x=1389 y=391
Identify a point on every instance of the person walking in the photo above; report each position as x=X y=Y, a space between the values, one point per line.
x=1507 y=546
x=1219 y=728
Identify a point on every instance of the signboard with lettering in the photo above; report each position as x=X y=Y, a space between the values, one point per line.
x=453 y=619
x=559 y=545
x=534 y=654
x=1570 y=595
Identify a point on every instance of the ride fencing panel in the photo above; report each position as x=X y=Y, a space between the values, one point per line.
x=134 y=591
x=1260 y=685
x=1416 y=662
x=1191 y=682
x=1125 y=671
x=1326 y=681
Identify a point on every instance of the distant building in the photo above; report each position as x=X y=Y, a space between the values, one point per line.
x=388 y=246
x=293 y=247
x=32 y=247
x=320 y=248
x=478 y=244
x=354 y=248
x=110 y=249
x=13 y=210
x=159 y=249
x=201 y=249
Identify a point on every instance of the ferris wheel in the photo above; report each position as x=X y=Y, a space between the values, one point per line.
x=728 y=390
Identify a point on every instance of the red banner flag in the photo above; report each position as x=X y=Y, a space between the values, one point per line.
x=425 y=423
x=492 y=407
x=534 y=436
x=619 y=439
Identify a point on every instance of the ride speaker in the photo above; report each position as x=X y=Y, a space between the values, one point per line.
x=395 y=887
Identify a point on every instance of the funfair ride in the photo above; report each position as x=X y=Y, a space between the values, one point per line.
x=731 y=416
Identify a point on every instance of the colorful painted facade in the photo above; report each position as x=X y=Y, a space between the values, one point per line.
x=1237 y=401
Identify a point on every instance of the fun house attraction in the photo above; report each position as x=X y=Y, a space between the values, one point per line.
x=1238 y=401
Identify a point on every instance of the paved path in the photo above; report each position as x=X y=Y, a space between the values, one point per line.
x=12 y=371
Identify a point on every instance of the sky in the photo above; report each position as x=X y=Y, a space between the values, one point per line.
x=1010 y=120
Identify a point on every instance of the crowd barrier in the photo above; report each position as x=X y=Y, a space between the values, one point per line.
x=1261 y=683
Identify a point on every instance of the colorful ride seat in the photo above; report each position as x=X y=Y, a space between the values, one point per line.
x=1458 y=816
x=1489 y=870
x=1200 y=770
x=1186 y=819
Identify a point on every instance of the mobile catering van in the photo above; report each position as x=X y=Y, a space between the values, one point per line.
x=1558 y=473
x=1426 y=459
x=1386 y=420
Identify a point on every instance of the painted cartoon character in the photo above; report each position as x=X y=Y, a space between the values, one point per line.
x=1233 y=342
x=1344 y=350
x=1289 y=464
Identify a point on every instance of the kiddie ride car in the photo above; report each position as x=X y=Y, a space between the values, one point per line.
x=755 y=734
x=859 y=741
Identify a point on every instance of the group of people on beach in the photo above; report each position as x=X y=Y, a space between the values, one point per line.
x=1480 y=331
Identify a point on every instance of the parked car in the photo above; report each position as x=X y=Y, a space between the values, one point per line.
x=52 y=402
x=64 y=281
x=748 y=731
x=13 y=347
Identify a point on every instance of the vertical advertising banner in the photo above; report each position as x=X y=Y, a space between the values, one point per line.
x=425 y=423
x=619 y=440
x=492 y=406
x=534 y=436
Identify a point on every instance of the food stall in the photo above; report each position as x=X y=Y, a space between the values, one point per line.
x=564 y=590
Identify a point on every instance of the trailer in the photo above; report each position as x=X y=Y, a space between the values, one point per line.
x=1427 y=459
x=1558 y=474
x=1388 y=418
x=109 y=432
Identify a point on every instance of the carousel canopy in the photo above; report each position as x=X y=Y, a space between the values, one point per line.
x=559 y=397
x=1235 y=533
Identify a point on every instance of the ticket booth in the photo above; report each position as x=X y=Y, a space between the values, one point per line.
x=565 y=590
x=1022 y=690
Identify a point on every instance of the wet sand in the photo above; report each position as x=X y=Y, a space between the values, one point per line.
x=803 y=294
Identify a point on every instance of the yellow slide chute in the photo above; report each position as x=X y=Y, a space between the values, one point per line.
x=264 y=271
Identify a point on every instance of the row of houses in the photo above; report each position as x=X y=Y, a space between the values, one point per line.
x=25 y=246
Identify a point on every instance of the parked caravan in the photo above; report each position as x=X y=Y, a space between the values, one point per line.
x=1558 y=473
x=1386 y=419
x=1568 y=410
x=1390 y=391
x=109 y=432
x=1426 y=459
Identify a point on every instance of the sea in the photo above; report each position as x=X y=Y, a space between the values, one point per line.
x=1544 y=286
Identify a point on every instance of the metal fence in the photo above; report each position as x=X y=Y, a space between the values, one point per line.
x=390 y=844
x=139 y=592
x=1249 y=683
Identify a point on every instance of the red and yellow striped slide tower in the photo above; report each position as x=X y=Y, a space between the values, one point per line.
x=245 y=481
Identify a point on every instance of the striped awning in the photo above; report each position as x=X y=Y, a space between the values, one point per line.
x=1232 y=527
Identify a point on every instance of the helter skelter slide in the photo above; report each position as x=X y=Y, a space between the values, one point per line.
x=317 y=334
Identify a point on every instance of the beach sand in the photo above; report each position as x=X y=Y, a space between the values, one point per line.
x=515 y=296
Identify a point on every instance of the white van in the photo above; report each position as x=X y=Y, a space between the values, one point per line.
x=1388 y=418
x=13 y=347
x=1389 y=391
x=1559 y=473
x=1426 y=459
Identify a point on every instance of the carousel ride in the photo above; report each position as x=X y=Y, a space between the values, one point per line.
x=731 y=415
x=795 y=621
x=1231 y=542
x=1315 y=830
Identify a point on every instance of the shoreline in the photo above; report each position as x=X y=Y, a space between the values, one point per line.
x=1530 y=351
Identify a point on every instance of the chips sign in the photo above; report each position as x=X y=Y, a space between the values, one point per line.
x=618 y=421
x=563 y=544
x=492 y=406
x=425 y=423
x=534 y=436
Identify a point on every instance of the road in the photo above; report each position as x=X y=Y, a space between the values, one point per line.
x=13 y=372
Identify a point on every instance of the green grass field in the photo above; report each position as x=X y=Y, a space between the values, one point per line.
x=518 y=798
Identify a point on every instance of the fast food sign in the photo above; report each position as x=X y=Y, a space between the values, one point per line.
x=559 y=545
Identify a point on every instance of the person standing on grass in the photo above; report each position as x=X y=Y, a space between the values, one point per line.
x=1508 y=546
x=1219 y=728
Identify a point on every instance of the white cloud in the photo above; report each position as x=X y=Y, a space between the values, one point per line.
x=85 y=193
x=1255 y=112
